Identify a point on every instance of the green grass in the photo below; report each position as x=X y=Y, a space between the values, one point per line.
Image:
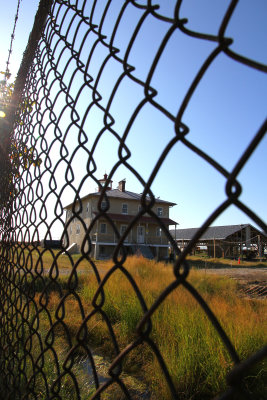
x=194 y=353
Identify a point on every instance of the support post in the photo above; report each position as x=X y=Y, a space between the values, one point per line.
x=96 y=240
x=259 y=247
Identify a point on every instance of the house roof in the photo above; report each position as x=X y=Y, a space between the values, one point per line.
x=125 y=195
x=213 y=232
x=144 y=219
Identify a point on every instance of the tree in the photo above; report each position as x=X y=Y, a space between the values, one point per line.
x=14 y=154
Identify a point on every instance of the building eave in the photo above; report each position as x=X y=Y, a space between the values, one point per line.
x=99 y=243
x=127 y=218
x=121 y=195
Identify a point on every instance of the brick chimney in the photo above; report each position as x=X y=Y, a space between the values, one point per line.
x=122 y=185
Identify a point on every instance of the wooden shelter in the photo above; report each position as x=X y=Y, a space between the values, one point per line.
x=229 y=241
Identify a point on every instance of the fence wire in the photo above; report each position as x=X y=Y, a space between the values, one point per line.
x=79 y=64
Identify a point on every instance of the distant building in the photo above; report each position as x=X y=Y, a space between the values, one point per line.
x=122 y=206
x=225 y=241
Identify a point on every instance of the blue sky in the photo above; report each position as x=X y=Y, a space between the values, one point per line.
x=224 y=113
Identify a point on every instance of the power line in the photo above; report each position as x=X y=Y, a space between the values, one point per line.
x=5 y=88
x=7 y=72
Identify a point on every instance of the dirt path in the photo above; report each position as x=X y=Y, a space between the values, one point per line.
x=252 y=281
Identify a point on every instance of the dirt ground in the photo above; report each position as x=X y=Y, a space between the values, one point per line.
x=252 y=281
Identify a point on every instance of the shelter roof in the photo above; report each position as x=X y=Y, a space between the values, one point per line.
x=213 y=232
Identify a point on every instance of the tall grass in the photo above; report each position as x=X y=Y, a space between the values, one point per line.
x=196 y=358
x=192 y=349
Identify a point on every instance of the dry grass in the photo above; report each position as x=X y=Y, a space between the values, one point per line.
x=211 y=262
x=196 y=358
x=193 y=351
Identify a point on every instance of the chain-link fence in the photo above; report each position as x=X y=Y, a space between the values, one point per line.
x=96 y=80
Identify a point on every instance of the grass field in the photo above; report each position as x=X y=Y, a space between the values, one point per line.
x=202 y=261
x=193 y=351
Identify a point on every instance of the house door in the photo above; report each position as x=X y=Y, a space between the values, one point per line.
x=140 y=234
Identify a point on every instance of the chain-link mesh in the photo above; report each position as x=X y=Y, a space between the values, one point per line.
x=83 y=89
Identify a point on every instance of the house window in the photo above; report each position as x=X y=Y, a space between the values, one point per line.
x=124 y=209
x=78 y=230
x=160 y=211
x=104 y=205
x=158 y=232
x=87 y=207
x=123 y=229
x=102 y=250
x=103 y=228
x=139 y=208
